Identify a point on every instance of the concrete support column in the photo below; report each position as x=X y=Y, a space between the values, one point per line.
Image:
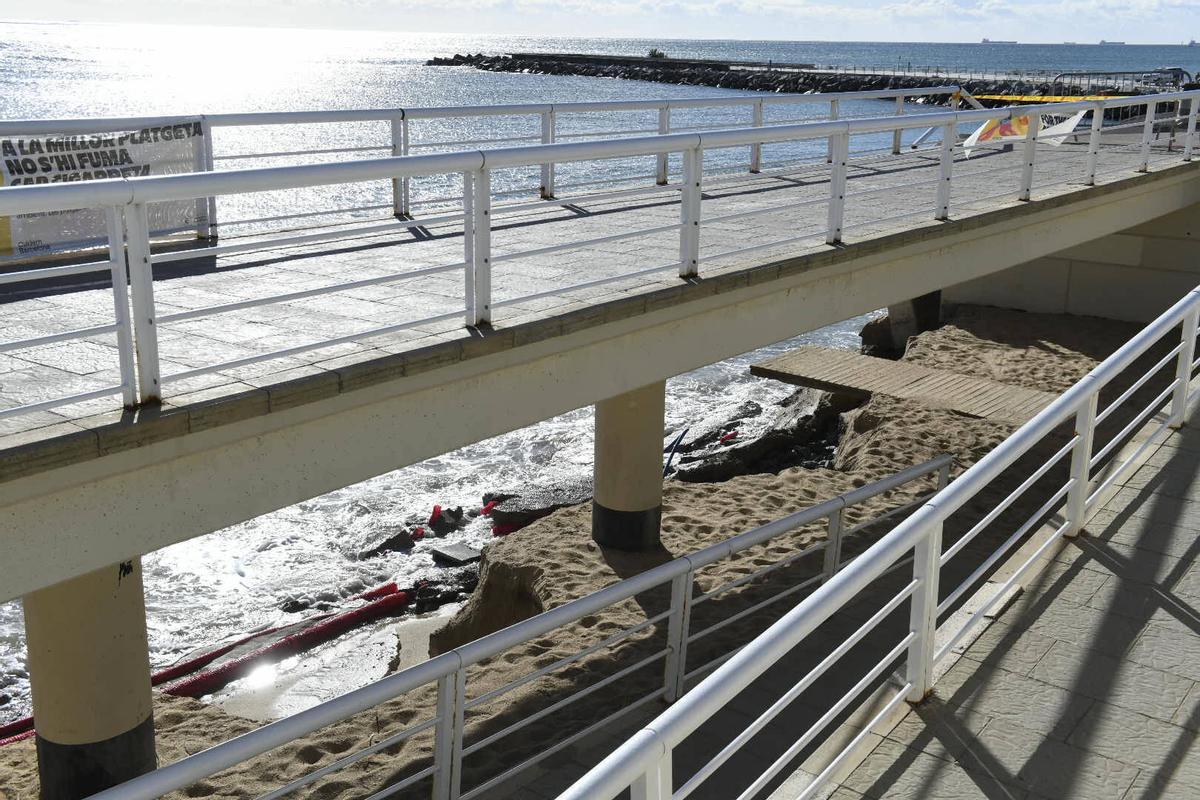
x=627 y=501
x=914 y=316
x=89 y=669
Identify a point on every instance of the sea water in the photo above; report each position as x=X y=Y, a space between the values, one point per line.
x=234 y=581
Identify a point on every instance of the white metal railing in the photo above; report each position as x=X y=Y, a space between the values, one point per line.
x=675 y=627
x=403 y=126
x=644 y=761
x=125 y=201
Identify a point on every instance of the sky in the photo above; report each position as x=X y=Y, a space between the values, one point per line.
x=1134 y=21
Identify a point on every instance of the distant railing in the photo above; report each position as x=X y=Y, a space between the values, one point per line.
x=136 y=322
x=449 y=671
x=645 y=760
x=658 y=116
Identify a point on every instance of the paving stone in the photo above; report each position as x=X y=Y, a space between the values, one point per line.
x=1150 y=786
x=1141 y=740
x=1157 y=508
x=1084 y=627
x=1018 y=755
x=895 y=772
x=1006 y=695
x=1174 y=539
x=1073 y=578
x=1188 y=714
x=1167 y=647
x=1003 y=646
x=1138 y=601
x=1123 y=683
x=939 y=729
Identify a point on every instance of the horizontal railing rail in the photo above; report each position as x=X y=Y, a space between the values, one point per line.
x=449 y=670
x=644 y=761
x=469 y=174
x=402 y=140
x=79 y=125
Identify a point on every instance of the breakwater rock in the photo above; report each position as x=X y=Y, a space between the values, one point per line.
x=794 y=78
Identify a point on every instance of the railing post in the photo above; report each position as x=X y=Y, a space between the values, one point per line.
x=400 y=205
x=943 y=478
x=896 y=133
x=677 y=635
x=833 y=114
x=689 y=213
x=1189 y=141
x=1029 y=154
x=120 y=288
x=833 y=543
x=946 y=166
x=448 y=735
x=468 y=208
x=547 y=188
x=206 y=207
x=923 y=614
x=664 y=127
x=141 y=282
x=756 y=148
x=1147 y=135
x=839 y=146
x=1081 y=465
x=1183 y=370
x=656 y=782
x=479 y=303
x=1093 y=157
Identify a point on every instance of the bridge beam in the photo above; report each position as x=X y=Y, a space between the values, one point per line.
x=627 y=502
x=89 y=669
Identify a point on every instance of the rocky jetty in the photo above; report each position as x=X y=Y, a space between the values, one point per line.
x=795 y=78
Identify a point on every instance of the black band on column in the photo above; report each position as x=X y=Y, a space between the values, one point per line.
x=73 y=771
x=626 y=530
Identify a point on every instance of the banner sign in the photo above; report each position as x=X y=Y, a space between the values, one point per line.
x=164 y=150
x=999 y=130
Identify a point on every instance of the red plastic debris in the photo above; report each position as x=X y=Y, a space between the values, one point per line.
x=418 y=534
x=729 y=437
x=436 y=515
x=487 y=509
x=379 y=591
x=504 y=530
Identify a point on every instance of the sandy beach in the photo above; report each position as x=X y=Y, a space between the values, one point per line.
x=554 y=561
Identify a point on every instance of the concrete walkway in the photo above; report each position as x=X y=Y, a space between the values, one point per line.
x=886 y=195
x=1087 y=686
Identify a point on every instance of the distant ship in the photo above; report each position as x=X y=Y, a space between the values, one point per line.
x=1193 y=43
x=1104 y=42
x=998 y=41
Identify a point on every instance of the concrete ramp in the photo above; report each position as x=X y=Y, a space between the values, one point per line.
x=862 y=376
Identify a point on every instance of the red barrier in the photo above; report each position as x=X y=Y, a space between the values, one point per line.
x=16 y=738
x=211 y=680
x=384 y=601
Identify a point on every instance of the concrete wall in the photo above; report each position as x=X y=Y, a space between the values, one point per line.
x=1131 y=275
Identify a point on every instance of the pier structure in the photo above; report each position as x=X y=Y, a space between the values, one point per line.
x=796 y=76
x=186 y=390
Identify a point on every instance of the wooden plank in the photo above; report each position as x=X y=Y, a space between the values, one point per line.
x=861 y=376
